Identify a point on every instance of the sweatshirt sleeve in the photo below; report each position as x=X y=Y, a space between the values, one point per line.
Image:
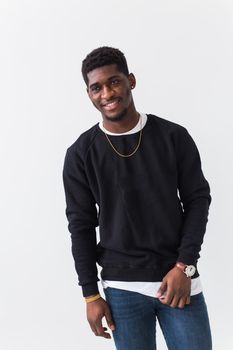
x=194 y=192
x=82 y=218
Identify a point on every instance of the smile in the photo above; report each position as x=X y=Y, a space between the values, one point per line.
x=111 y=105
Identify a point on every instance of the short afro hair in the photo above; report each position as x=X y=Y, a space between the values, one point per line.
x=103 y=56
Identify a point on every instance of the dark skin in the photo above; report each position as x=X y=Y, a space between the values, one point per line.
x=96 y=310
x=175 y=289
x=110 y=92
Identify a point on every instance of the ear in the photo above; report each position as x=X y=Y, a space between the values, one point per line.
x=87 y=90
x=132 y=80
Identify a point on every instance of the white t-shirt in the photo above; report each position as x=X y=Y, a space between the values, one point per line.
x=146 y=288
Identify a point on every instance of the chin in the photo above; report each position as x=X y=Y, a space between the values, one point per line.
x=117 y=117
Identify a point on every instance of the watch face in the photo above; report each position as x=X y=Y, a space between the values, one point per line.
x=190 y=270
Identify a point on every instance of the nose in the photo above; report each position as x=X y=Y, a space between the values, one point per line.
x=106 y=92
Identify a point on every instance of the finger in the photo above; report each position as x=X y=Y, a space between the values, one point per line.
x=162 y=289
x=109 y=319
x=188 y=300
x=168 y=297
x=99 y=328
x=94 y=330
x=182 y=303
x=101 y=331
x=175 y=301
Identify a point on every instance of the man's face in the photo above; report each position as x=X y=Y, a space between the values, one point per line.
x=110 y=91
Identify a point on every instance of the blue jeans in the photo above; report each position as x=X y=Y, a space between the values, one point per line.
x=135 y=317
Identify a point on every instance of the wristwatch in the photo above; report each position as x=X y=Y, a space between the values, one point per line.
x=189 y=270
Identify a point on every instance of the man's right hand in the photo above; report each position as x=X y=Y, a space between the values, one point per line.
x=96 y=310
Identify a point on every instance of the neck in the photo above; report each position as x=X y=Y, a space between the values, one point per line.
x=127 y=122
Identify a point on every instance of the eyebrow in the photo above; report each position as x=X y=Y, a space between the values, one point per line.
x=112 y=77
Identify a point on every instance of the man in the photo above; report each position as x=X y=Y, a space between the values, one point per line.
x=144 y=174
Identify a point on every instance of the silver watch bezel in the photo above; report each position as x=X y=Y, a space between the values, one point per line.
x=190 y=270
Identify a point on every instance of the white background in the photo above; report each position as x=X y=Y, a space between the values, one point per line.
x=181 y=53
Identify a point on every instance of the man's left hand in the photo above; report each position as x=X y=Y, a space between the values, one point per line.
x=175 y=289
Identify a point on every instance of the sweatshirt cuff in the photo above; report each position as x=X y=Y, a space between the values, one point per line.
x=188 y=260
x=90 y=289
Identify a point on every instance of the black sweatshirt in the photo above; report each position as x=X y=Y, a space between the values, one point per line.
x=151 y=208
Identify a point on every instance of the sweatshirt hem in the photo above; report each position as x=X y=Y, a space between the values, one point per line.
x=136 y=274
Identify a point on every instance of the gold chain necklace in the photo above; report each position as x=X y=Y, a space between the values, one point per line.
x=139 y=141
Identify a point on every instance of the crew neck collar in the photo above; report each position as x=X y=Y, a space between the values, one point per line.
x=142 y=121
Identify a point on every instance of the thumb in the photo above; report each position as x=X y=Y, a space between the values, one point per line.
x=109 y=320
x=162 y=289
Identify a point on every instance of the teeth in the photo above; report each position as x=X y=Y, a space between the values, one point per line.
x=110 y=106
x=111 y=103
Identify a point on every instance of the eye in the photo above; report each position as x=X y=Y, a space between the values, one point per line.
x=95 y=89
x=115 y=82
